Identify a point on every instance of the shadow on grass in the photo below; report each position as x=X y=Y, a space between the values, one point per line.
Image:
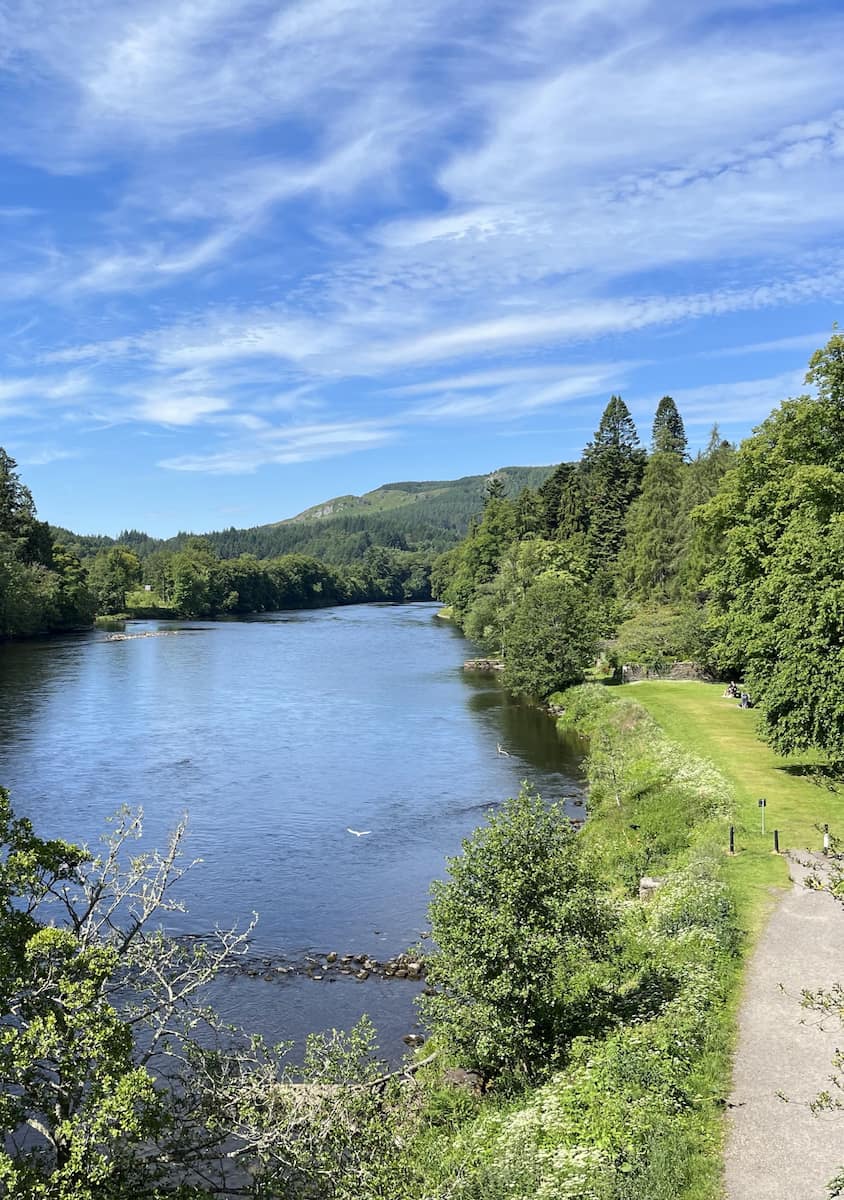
x=829 y=776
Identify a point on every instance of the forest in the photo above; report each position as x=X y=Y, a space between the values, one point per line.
x=729 y=560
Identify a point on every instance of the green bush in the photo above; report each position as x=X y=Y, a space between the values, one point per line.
x=521 y=932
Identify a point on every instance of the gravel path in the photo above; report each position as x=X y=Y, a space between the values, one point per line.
x=777 y=1150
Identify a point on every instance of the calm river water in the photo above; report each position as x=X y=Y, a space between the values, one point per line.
x=275 y=734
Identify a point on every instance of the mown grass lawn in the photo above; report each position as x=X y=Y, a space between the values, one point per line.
x=800 y=797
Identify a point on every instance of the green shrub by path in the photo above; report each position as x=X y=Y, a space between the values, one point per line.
x=634 y=1115
x=649 y=800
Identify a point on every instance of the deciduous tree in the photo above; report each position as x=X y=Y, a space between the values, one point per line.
x=519 y=928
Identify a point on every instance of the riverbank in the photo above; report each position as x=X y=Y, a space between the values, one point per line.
x=793 y=941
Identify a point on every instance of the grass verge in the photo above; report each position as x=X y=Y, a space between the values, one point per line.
x=801 y=796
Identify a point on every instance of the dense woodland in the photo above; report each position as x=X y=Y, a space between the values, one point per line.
x=731 y=559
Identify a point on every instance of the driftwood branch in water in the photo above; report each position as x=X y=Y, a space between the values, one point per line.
x=407 y=1069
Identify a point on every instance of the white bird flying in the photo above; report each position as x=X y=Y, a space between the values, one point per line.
x=358 y=832
x=501 y=750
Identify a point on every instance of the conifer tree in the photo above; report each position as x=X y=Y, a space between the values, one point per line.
x=494 y=488
x=572 y=515
x=669 y=433
x=529 y=514
x=651 y=558
x=701 y=480
x=612 y=467
x=549 y=495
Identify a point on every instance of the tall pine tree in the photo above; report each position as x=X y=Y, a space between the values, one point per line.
x=651 y=558
x=612 y=467
x=669 y=433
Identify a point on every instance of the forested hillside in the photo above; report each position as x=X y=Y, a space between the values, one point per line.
x=428 y=516
x=731 y=558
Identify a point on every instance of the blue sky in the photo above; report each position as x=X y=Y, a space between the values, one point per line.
x=253 y=255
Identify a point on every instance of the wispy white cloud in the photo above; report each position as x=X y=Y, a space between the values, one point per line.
x=274 y=222
x=280 y=446
x=516 y=399
x=42 y=456
x=737 y=402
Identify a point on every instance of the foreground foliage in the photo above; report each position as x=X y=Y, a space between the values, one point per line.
x=630 y=1110
x=119 y=1083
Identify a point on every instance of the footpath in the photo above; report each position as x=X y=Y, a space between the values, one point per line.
x=776 y=1148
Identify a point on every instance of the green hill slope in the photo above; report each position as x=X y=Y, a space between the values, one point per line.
x=423 y=515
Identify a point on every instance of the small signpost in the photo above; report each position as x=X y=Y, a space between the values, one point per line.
x=762 y=807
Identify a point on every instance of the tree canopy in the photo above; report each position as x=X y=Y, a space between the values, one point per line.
x=777 y=585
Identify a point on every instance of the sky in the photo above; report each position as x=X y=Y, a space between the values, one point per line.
x=255 y=255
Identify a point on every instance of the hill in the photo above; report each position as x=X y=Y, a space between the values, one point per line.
x=426 y=515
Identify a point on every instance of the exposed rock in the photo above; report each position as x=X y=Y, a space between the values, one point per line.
x=649 y=886
x=470 y=1081
x=332 y=957
x=413 y=1039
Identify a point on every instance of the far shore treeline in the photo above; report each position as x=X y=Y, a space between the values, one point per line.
x=349 y=550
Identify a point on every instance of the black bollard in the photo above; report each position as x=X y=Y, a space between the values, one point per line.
x=732 y=840
x=776 y=841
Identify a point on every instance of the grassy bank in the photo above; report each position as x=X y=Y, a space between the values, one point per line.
x=801 y=797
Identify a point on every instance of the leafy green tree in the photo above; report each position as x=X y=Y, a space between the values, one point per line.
x=777 y=591
x=112 y=573
x=196 y=586
x=669 y=433
x=612 y=467
x=519 y=929
x=119 y=1084
x=479 y=556
x=74 y=603
x=552 y=637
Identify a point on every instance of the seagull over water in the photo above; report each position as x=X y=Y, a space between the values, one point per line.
x=358 y=832
x=501 y=750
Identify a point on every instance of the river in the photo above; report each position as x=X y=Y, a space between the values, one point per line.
x=276 y=734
